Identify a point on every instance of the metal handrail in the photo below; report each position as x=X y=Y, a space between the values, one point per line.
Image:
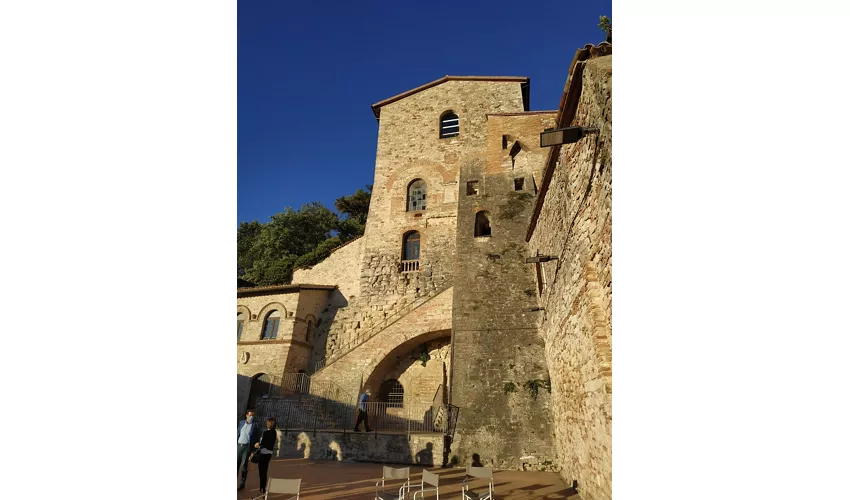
x=312 y=413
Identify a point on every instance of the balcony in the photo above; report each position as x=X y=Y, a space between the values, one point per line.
x=409 y=266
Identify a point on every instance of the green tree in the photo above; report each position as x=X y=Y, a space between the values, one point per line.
x=355 y=209
x=355 y=206
x=294 y=232
x=268 y=253
x=246 y=237
x=605 y=26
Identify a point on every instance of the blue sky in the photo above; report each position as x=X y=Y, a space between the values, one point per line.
x=308 y=72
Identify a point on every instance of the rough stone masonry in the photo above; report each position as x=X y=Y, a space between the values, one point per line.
x=524 y=350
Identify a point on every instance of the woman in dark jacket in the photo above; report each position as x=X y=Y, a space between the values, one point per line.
x=264 y=450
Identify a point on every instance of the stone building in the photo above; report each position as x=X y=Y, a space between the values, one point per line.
x=436 y=303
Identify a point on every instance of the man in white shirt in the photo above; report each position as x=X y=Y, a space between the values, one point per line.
x=247 y=435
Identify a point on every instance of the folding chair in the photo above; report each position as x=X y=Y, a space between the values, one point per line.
x=391 y=473
x=431 y=479
x=284 y=486
x=477 y=472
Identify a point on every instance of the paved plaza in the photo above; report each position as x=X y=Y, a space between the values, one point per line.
x=325 y=480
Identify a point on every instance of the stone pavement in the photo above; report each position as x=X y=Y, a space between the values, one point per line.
x=326 y=480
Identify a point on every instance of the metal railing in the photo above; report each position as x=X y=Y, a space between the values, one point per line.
x=291 y=385
x=312 y=413
x=409 y=418
x=409 y=266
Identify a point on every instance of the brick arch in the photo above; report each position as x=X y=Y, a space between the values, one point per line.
x=244 y=309
x=374 y=373
x=269 y=307
x=425 y=170
x=431 y=320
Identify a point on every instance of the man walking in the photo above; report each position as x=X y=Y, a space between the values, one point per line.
x=362 y=416
x=247 y=435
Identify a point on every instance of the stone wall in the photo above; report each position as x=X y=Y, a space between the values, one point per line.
x=370 y=361
x=577 y=290
x=289 y=352
x=418 y=449
x=409 y=148
x=421 y=382
x=341 y=268
x=500 y=375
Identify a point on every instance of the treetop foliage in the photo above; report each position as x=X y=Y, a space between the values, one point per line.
x=267 y=253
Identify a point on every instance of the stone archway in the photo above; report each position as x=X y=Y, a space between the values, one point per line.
x=402 y=357
x=260 y=387
x=428 y=322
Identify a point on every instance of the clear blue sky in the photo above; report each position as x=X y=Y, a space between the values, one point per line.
x=308 y=72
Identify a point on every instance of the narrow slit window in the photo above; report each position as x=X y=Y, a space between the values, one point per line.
x=309 y=336
x=240 y=323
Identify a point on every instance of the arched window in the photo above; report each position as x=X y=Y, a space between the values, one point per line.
x=240 y=322
x=310 y=328
x=392 y=393
x=482 y=224
x=271 y=325
x=416 y=196
x=449 y=125
x=410 y=252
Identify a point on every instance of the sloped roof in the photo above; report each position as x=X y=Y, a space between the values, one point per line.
x=261 y=290
x=526 y=81
x=566 y=114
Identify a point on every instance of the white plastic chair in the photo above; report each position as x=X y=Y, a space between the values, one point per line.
x=481 y=473
x=391 y=473
x=284 y=486
x=431 y=479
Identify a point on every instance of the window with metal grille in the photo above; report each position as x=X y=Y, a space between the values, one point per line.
x=449 y=125
x=416 y=196
x=271 y=325
x=392 y=393
x=240 y=322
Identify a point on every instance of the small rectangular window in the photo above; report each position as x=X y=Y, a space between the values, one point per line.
x=519 y=183
x=471 y=188
x=504 y=142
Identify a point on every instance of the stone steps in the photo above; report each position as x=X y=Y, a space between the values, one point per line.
x=377 y=328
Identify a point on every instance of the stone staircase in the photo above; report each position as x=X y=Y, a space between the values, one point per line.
x=373 y=330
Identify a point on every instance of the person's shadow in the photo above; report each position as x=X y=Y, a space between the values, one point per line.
x=426 y=456
x=476 y=460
